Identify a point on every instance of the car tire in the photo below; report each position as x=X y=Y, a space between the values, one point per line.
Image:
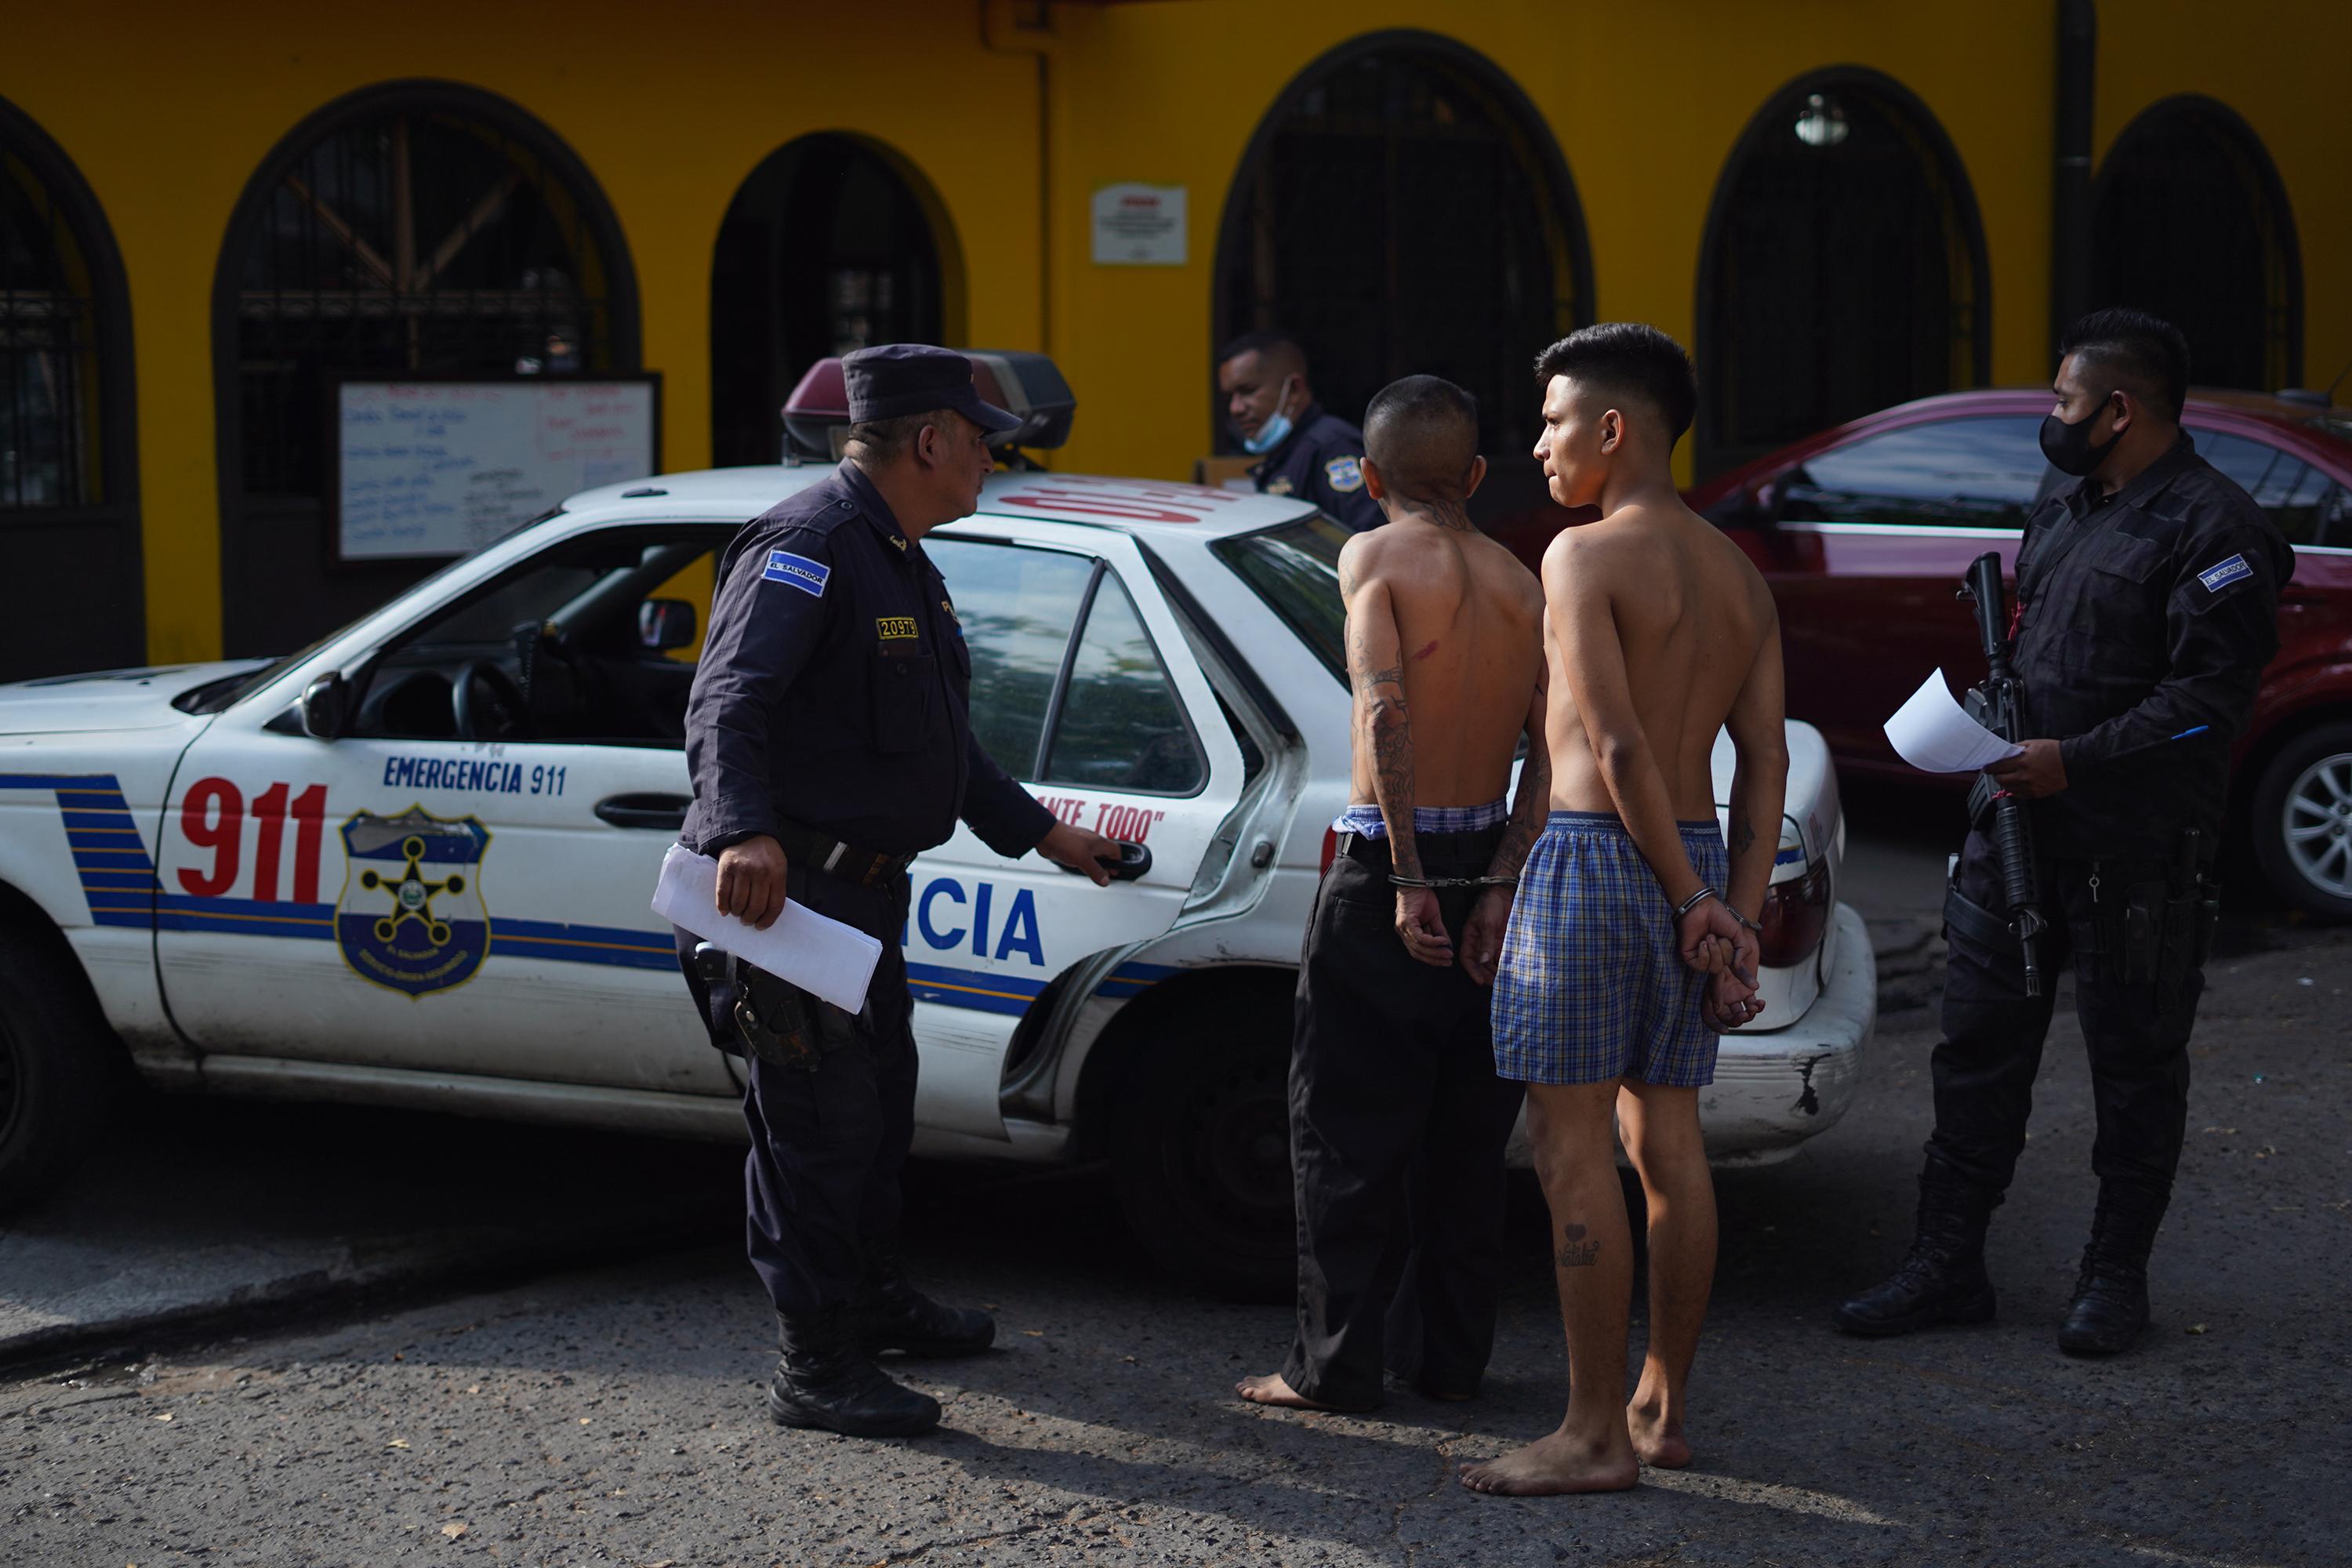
x=57 y=1069
x=1200 y=1155
x=2298 y=790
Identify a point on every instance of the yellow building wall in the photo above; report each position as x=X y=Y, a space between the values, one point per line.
x=168 y=116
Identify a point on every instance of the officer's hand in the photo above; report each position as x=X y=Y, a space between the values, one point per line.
x=2035 y=772
x=1081 y=851
x=751 y=880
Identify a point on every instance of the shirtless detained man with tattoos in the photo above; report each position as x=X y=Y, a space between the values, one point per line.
x=1397 y=1118
x=1632 y=938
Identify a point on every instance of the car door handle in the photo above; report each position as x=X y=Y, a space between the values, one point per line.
x=663 y=811
x=1134 y=860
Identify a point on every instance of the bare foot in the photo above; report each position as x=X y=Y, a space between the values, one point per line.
x=1272 y=1390
x=1558 y=1463
x=1657 y=1437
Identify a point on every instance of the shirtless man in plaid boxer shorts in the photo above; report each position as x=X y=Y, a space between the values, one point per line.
x=1632 y=937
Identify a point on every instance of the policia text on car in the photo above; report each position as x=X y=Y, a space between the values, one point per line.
x=2147 y=606
x=830 y=743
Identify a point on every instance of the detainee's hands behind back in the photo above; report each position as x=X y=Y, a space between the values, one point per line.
x=1712 y=941
x=1421 y=925
x=751 y=880
x=1482 y=935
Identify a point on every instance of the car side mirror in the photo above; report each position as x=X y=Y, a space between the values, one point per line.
x=322 y=706
x=666 y=623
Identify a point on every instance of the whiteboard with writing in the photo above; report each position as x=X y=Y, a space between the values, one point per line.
x=440 y=467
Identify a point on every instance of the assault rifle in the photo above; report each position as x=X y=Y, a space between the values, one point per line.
x=1998 y=703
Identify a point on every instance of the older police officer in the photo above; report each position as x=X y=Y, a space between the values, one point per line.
x=2147 y=603
x=829 y=744
x=1262 y=378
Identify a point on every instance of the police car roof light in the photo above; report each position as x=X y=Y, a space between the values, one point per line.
x=1028 y=384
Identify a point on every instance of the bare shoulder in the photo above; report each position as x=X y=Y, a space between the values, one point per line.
x=1365 y=558
x=1609 y=555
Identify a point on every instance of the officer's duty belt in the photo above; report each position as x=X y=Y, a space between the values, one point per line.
x=815 y=851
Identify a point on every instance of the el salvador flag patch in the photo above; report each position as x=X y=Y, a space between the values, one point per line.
x=1344 y=474
x=2217 y=578
x=800 y=572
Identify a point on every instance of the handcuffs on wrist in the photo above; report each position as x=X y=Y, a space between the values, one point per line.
x=1705 y=893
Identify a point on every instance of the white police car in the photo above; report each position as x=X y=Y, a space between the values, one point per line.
x=411 y=863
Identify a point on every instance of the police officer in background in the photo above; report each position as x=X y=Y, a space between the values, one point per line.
x=2147 y=601
x=1307 y=452
x=829 y=744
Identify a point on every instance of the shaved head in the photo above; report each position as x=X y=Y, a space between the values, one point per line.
x=1422 y=433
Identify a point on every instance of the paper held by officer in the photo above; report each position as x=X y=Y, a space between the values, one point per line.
x=813 y=952
x=1935 y=734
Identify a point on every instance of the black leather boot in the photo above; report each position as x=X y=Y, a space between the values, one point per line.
x=1943 y=1279
x=892 y=1315
x=826 y=1380
x=2110 y=1306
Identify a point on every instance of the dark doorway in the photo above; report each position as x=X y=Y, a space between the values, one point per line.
x=68 y=477
x=1404 y=209
x=419 y=227
x=1843 y=269
x=2189 y=221
x=825 y=249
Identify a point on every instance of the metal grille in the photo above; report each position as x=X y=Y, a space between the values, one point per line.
x=1842 y=276
x=49 y=355
x=406 y=242
x=1403 y=221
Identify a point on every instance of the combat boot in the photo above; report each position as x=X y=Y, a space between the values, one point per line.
x=892 y=1315
x=2109 y=1310
x=826 y=1380
x=1943 y=1278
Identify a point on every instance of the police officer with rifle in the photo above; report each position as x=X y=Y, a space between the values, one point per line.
x=2147 y=601
x=829 y=742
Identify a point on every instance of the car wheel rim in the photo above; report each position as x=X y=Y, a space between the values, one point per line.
x=2318 y=823
x=1234 y=1154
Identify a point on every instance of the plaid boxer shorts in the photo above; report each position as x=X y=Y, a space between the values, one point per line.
x=1591 y=986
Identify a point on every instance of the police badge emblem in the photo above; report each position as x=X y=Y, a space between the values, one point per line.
x=411 y=917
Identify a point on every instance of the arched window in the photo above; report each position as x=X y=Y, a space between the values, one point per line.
x=1843 y=268
x=2189 y=220
x=829 y=246
x=1404 y=209
x=413 y=229
x=68 y=474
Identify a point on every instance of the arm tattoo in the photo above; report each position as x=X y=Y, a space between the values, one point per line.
x=1743 y=837
x=1575 y=1251
x=1390 y=722
x=1528 y=809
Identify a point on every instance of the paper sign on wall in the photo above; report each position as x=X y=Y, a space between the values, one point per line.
x=1140 y=226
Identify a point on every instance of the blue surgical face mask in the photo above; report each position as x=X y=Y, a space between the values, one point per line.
x=1275 y=431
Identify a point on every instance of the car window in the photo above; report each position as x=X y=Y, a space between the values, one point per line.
x=2301 y=500
x=1016 y=606
x=555 y=649
x=1121 y=726
x=1296 y=569
x=1981 y=472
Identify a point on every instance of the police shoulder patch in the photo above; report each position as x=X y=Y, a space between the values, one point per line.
x=1345 y=475
x=2220 y=577
x=797 y=571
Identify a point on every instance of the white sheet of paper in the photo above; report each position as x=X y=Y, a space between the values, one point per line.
x=1935 y=734
x=813 y=952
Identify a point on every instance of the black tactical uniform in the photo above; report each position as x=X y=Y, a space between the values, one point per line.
x=2139 y=616
x=1322 y=459
x=829 y=712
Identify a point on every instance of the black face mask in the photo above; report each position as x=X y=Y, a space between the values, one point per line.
x=2068 y=447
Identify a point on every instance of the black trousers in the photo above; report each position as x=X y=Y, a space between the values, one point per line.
x=1396 y=1127
x=821 y=1180
x=2135 y=992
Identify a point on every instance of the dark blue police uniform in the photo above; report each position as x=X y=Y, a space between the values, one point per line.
x=1323 y=460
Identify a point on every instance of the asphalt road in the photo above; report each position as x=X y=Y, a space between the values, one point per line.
x=612 y=1416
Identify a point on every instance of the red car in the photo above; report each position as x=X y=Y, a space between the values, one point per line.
x=1864 y=533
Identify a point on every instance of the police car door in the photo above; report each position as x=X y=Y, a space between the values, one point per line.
x=459 y=883
x=1083 y=688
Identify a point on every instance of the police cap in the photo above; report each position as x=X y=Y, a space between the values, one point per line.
x=915 y=378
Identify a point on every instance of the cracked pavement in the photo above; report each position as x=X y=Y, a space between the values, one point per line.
x=611 y=1415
